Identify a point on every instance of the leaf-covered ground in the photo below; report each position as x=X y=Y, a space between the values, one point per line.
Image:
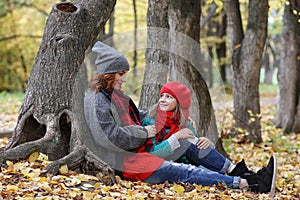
x=25 y=179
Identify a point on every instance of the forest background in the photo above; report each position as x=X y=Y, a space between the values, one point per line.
x=22 y=24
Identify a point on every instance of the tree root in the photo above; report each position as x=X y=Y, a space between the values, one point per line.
x=80 y=158
x=22 y=151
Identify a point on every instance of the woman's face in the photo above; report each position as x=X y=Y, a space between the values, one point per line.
x=120 y=78
x=167 y=102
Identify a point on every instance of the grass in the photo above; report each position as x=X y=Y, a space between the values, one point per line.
x=268 y=89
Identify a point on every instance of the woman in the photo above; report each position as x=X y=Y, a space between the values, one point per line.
x=115 y=124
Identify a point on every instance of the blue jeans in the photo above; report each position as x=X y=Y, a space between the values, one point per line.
x=209 y=158
x=174 y=172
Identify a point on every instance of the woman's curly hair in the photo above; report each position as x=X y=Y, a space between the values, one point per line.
x=105 y=81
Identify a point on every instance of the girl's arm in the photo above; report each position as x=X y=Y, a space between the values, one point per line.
x=203 y=142
x=164 y=148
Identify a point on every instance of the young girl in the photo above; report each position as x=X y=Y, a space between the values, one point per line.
x=176 y=139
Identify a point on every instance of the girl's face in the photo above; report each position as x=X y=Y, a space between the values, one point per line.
x=120 y=78
x=167 y=102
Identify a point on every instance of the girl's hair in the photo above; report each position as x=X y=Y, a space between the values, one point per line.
x=178 y=109
x=105 y=81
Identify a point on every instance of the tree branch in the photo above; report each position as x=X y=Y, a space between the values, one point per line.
x=18 y=35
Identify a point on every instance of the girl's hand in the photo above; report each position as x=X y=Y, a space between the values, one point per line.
x=151 y=131
x=184 y=133
x=203 y=143
x=193 y=123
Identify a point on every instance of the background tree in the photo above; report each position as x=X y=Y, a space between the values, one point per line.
x=173 y=53
x=247 y=49
x=184 y=20
x=213 y=38
x=185 y=64
x=157 y=55
x=51 y=117
x=288 y=109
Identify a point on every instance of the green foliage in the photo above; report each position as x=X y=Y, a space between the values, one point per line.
x=275 y=20
x=22 y=24
x=10 y=102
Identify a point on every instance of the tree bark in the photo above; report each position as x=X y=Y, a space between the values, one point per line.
x=184 y=20
x=157 y=53
x=288 y=110
x=246 y=62
x=51 y=118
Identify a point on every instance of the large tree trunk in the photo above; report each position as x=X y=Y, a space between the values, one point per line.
x=184 y=20
x=51 y=117
x=157 y=55
x=246 y=62
x=288 y=109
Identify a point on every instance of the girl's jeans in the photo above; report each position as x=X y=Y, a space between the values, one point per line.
x=214 y=164
x=174 y=172
x=209 y=158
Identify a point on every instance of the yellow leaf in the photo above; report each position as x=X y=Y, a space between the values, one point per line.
x=43 y=157
x=43 y=179
x=83 y=177
x=129 y=192
x=73 y=193
x=252 y=119
x=72 y=182
x=106 y=188
x=63 y=169
x=33 y=157
x=45 y=186
x=9 y=163
x=206 y=188
x=97 y=185
x=179 y=189
x=88 y=195
x=53 y=182
x=10 y=166
x=19 y=166
x=12 y=188
x=32 y=175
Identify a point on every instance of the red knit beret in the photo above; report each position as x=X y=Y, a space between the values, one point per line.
x=180 y=92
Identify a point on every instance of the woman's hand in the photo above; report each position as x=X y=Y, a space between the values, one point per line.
x=151 y=130
x=203 y=143
x=184 y=133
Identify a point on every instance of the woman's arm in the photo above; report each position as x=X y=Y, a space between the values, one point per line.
x=106 y=132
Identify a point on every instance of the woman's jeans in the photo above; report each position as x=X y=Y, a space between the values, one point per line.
x=214 y=164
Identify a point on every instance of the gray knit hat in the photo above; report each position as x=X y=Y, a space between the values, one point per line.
x=108 y=59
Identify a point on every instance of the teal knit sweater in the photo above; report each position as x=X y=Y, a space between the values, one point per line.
x=166 y=147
